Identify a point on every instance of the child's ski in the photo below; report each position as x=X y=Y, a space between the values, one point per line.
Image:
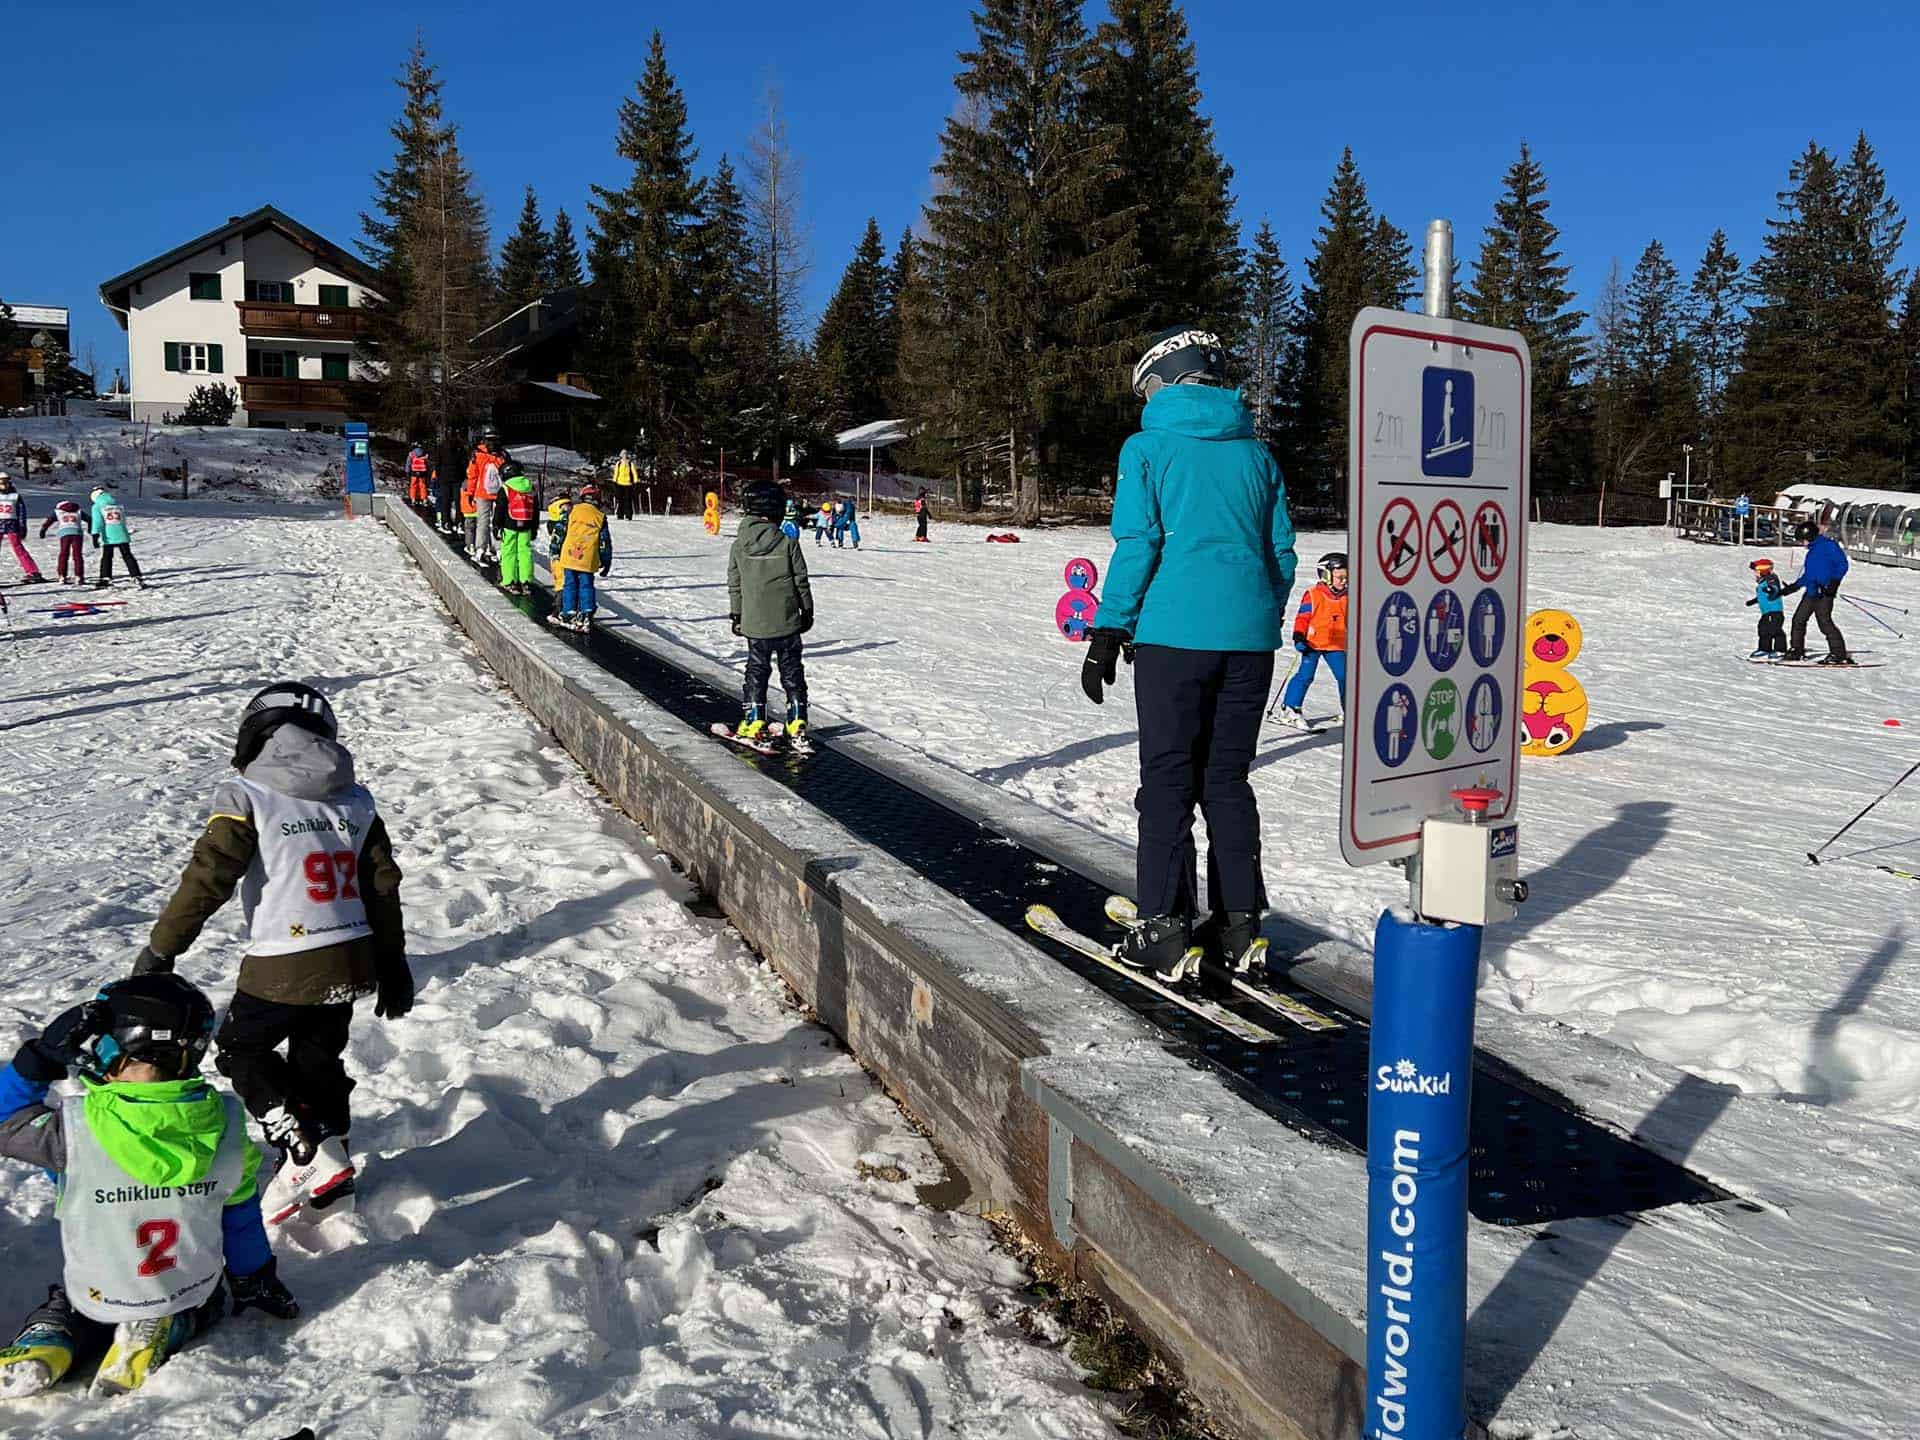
x=1858 y=664
x=725 y=732
x=1043 y=920
x=1124 y=913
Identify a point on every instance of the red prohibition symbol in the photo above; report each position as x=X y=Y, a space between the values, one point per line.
x=1446 y=542
x=1489 y=541
x=1398 y=542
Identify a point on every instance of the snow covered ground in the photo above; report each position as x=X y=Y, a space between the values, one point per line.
x=231 y=463
x=1673 y=910
x=614 y=1184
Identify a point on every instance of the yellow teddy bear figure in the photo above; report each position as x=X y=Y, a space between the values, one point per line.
x=1553 y=705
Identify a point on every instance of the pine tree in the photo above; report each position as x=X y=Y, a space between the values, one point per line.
x=9 y=331
x=726 y=337
x=1031 y=266
x=899 y=275
x=1665 y=388
x=525 y=260
x=850 y=346
x=794 y=410
x=1520 y=284
x=1168 y=176
x=1610 y=383
x=1816 y=394
x=563 y=255
x=427 y=238
x=640 y=328
x=1715 y=322
x=1359 y=259
x=1909 y=381
x=57 y=373
x=1268 y=350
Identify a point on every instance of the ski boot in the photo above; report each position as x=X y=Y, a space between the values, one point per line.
x=102 y=584
x=1291 y=718
x=1158 y=943
x=583 y=621
x=314 y=1174
x=1794 y=655
x=142 y=1346
x=796 y=727
x=43 y=1352
x=751 y=726
x=1835 y=658
x=1230 y=947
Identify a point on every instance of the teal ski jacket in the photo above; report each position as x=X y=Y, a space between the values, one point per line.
x=1203 y=556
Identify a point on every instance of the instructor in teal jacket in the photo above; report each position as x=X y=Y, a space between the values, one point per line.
x=1196 y=598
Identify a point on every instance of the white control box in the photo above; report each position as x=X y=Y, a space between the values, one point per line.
x=1468 y=872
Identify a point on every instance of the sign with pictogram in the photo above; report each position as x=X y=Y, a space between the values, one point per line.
x=1446 y=542
x=1438 y=477
x=1490 y=535
x=1398 y=541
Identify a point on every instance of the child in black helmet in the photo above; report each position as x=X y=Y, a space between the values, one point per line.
x=302 y=842
x=159 y=1187
x=770 y=602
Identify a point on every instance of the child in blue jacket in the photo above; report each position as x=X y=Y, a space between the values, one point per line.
x=159 y=1202
x=110 y=533
x=1767 y=590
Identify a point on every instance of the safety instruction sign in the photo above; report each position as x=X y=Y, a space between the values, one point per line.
x=1438 y=478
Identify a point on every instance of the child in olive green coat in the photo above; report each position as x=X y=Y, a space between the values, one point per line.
x=771 y=605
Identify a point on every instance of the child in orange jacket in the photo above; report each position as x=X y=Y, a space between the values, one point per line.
x=1319 y=633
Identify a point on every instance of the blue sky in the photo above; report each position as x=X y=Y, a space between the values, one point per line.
x=131 y=130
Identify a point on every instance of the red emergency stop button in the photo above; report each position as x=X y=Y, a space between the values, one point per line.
x=1475 y=799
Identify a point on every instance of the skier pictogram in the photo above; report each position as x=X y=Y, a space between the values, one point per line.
x=1399 y=541
x=1446 y=542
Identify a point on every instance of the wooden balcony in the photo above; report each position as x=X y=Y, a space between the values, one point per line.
x=268 y=392
x=301 y=322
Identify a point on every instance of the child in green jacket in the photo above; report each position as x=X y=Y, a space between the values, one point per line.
x=770 y=602
x=159 y=1202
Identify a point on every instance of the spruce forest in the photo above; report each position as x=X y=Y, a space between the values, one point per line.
x=1080 y=203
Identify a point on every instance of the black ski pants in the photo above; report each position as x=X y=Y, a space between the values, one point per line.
x=762 y=656
x=126 y=553
x=1818 y=608
x=310 y=1080
x=1200 y=714
x=1773 y=633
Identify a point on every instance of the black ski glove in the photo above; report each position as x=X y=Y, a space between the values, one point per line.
x=263 y=1290
x=393 y=995
x=733 y=623
x=149 y=963
x=63 y=1044
x=1789 y=589
x=1102 y=662
x=1753 y=602
x=806 y=621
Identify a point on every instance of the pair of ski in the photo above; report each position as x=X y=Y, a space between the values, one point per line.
x=767 y=742
x=1860 y=662
x=579 y=624
x=1044 y=920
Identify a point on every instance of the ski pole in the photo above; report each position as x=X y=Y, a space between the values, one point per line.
x=1877 y=604
x=1873 y=617
x=1274 y=704
x=1813 y=856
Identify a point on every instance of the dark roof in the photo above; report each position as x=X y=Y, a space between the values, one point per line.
x=115 y=291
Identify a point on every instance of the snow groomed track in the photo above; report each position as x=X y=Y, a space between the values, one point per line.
x=1534 y=1158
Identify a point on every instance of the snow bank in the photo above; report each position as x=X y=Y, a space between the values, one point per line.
x=613 y=1183
x=276 y=464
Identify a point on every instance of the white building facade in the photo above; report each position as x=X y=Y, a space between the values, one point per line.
x=262 y=305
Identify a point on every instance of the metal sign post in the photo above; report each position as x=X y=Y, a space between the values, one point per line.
x=1438 y=477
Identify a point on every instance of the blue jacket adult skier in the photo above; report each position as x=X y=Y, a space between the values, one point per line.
x=1196 y=597
x=1820 y=576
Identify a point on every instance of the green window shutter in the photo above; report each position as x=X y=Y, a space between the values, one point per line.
x=173 y=355
x=213 y=361
x=290 y=364
x=333 y=295
x=333 y=367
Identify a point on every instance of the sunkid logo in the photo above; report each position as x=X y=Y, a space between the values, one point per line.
x=1403 y=1077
